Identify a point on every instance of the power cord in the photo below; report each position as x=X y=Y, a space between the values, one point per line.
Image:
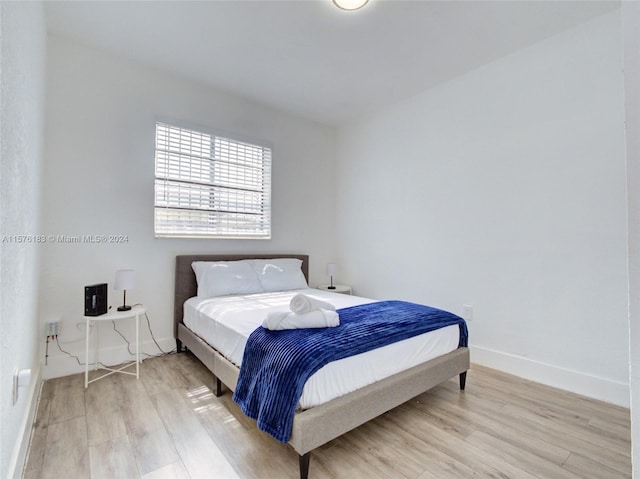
x=162 y=351
x=113 y=323
x=66 y=352
x=153 y=337
x=72 y=355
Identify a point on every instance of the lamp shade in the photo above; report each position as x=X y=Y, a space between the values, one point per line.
x=125 y=280
x=350 y=4
x=332 y=268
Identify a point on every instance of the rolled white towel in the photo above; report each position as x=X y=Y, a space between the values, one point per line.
x=301 y=303
x=319 y=318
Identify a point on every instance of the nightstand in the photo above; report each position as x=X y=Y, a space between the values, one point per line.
x=134 y=313
x=339 y=288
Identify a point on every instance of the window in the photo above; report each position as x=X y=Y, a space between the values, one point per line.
x=210 y=186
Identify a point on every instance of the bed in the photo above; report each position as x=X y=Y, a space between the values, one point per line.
x=321 y=423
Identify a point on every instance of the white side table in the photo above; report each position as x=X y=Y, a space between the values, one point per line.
x=339 y=288
x=134 y=313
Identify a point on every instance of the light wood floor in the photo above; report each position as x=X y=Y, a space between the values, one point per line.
x=169 y=425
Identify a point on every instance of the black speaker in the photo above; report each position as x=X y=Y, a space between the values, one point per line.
x=95 y=299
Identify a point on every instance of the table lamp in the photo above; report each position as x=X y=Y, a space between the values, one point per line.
x=331 y=271
x=125 y=279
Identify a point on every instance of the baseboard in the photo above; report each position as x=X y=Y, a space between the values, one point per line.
x=63 y=365
x=574 y=381
x=21 y=448
x=595 y=387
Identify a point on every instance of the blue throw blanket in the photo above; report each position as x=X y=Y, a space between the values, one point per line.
x=277 y=364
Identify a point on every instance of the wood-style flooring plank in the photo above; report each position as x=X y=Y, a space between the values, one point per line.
x=112 y=458
x=428 y=433
x=203 y=461
x=413 y=456
x=613 y=428
x=162 y=376
x=175 y=470
x=524 y=391
x=104 y=419
x=569 y=430
x=67 y=399
x=342 y=461
x=66 y=451
x=152 y=447
x=593 y=468
x=253 y=453
x=494 y=421
x=386 y=449
x=518 y=457
x=33 y=467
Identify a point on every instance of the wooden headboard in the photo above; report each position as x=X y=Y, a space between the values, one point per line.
x=185 y=280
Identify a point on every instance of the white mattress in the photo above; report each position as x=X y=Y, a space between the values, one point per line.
x=226 y=322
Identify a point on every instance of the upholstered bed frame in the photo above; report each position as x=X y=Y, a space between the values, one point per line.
x=318 y=425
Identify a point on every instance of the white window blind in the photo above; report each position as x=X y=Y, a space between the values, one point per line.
x=210 y=186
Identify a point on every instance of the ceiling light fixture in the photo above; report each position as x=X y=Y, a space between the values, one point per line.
x=350 y=4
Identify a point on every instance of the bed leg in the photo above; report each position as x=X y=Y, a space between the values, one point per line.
x=217 y=387
x=178 y=346
x=463 y=380
x=304 y=465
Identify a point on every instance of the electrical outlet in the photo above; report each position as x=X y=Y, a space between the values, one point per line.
x=53 y=328
x=467 y=312
x=21 y=379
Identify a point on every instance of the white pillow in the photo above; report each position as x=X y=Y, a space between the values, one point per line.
x=221 y=278
x=279 y=274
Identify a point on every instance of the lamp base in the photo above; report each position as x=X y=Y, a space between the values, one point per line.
x=331 y=287
x=124 y=307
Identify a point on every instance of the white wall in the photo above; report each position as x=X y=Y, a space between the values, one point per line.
x=99 y=170
x=22 y=41
x=504 y=189
x=631 y=38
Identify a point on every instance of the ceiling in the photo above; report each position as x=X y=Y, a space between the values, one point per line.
x=309 y=58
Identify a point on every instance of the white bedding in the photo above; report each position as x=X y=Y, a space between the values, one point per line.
x=226 y=322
